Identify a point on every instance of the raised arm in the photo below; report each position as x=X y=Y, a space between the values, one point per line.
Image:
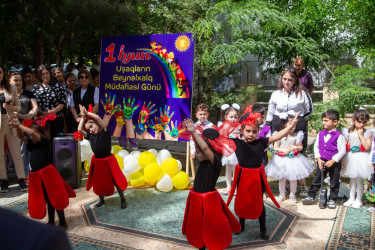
x=14 y=122
x=189 y=125
x=283 y=132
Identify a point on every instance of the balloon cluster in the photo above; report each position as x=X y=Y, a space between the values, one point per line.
x=146 y=168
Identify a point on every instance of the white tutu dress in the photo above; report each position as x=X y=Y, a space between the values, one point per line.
x=290 y=168
x=357 y=164
x=232 y=159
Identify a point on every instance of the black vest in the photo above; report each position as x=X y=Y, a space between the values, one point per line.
x=88 y=98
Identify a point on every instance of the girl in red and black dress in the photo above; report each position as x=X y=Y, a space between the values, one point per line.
x=104 y=170
x=207 y=221
x=45 y=183
x=249 y=173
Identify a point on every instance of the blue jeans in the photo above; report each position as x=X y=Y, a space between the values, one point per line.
x=26 y=158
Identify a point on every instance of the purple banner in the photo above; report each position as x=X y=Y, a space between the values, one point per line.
x=146 y=85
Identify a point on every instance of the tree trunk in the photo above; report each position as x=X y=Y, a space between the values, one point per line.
x=39 y=57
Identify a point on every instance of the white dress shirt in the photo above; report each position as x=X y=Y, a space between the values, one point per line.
x=341 y=146
x=281 y=102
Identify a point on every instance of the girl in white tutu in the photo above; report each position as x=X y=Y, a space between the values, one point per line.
x=287 y=163
x=230 y=129
x=356 y=163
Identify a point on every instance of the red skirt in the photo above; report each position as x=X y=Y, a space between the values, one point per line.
x=57 y=189
x=104 y=174
x=208 y=221
x=249 y=199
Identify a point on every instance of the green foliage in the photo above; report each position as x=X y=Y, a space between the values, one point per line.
x=275 y=36
x=351 y=85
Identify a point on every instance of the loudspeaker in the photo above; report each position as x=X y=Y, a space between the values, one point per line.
x=67 y=160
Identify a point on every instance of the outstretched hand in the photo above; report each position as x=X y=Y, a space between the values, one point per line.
x=189 y=125
x=294 y=121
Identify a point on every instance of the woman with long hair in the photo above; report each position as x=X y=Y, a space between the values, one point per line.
x=29 y=108
x=9 y=105
x=51 y=98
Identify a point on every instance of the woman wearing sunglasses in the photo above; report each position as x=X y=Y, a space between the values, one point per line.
x=51 y=98
x=84 y=95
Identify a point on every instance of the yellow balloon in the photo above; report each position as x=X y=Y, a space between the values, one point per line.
x=120 y=161
x=146 y=158
x=86 y=166
x=169 y=166
x=180 y=180
x=137 y=180
x=116 y=148
x=152 y=173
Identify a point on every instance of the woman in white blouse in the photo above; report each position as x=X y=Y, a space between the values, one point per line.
x=290 y=98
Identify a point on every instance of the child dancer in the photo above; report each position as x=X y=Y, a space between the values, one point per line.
x=329 y=148
x=202 y=113
x=104 y=170
x=207 y=221
x=45 y=183
x=288 y=164
x=230 y=129
x=249 y=177
x=355 y=162
x=264 y=129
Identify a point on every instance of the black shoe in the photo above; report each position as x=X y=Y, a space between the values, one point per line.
x=23 y=185
x=64 y=225
x=99 y=204
x=264 y=236
x=242 y=223
x=4 y=186
x=123 y=203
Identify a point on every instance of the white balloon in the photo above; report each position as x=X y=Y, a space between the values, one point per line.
x=89 y=158
x=164 y=154
x=85 y=146
x=122 y=153
x=136 y=154
x=127 y=175
x=165 y=184
x=130 y=164
x=179 y=165
x=84 y=156
x=154 y=151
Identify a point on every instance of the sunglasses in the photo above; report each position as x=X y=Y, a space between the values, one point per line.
x=84 y=77
x=291 y=69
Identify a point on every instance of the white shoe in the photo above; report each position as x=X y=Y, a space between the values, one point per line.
x=349 y=203
x=371 y=209
x=280 y=198
x=292 y=199
x=357 y=204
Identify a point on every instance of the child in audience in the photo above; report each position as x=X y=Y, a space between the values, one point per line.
x=288 y=163
x=202 y=113
x=355 y=163
x=230 y=129
x=264 y=129
x=329 y=148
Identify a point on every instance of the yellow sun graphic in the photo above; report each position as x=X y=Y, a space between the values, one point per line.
x=182 y=43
